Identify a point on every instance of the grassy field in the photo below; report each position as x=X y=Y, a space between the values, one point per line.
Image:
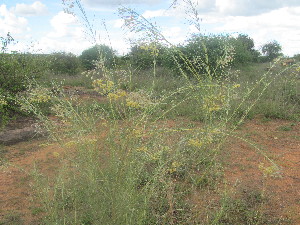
x=133 y=148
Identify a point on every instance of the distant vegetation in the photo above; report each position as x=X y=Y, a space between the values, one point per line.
x=18 y=69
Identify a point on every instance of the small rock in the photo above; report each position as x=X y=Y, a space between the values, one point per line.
x=14 y=136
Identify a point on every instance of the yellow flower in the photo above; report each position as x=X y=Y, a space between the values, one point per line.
x=137 y=133
x=103 y=87
x=196 y=143
x=174 y=167
x=269 y=170
x=236 y=86
x=89 y=141
x=56 y=154
x=214 y=108
x=142 y=149
x=132 y=104
x=71 y=144
x=39 y=95
x=214 y=102
x=122 y=93
x=115 y=96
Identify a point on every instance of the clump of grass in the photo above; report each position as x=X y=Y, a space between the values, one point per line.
x=247 y=207
x=281 y=98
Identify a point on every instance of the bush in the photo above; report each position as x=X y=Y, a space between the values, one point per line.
x=244 y=50
x=64 y=63
x=204 y=55
x=98 y=52
x=16 y=72
x=144 y=55
x=272 y=50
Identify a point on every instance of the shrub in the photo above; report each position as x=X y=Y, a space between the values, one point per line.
x=204 y=55
x=271 y=50
x=244 y=50
x=144 y=55
x=16 y=72
x=96 y=53
x=64 y=63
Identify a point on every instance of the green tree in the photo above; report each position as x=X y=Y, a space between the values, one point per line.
x=244 y=49
x=145 y=55
x=209 y=54
x=64 y=63
x=96 y=53
x=272 y=50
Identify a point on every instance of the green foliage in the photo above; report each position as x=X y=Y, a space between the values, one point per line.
x=64 y=63
x=206 y=55
x=244 y=51
x=280 y=100
x=16 y=72
x=145 y=55
x=297 y=57
x=247 y=209
x=101 y=53
x=271 y=50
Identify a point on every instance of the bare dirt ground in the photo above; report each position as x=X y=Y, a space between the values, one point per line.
x=246 y=168
x=16 y=194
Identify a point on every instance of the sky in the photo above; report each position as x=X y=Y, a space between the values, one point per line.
x=44 y=26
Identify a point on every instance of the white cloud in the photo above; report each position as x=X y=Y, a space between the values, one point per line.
x=118 y=23
x=281 y=25
x=66 y=34
x=175 y=34
x=48 y=45
x=11 y=23
x=35 y=9
x=156 y=13
x=234 y=7
x=65 y=25
x=119 y=2
x=253 y=7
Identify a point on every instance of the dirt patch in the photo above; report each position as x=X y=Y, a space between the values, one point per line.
x=250 y=167
x=17 y=204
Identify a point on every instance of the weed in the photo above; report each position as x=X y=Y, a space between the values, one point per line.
x=12 y=218
x=246 y=209
x=285 y=128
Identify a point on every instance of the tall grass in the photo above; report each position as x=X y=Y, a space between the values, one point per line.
x=124 y=163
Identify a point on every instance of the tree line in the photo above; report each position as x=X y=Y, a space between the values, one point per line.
x=199 y=49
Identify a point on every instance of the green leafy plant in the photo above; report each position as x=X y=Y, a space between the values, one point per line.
x=16 y=72
x=64 y=63
x=97 y=53
x=271 y=50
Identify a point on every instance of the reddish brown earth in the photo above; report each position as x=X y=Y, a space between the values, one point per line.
x=16 y=195
x=278 y=140
x=247 y=166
